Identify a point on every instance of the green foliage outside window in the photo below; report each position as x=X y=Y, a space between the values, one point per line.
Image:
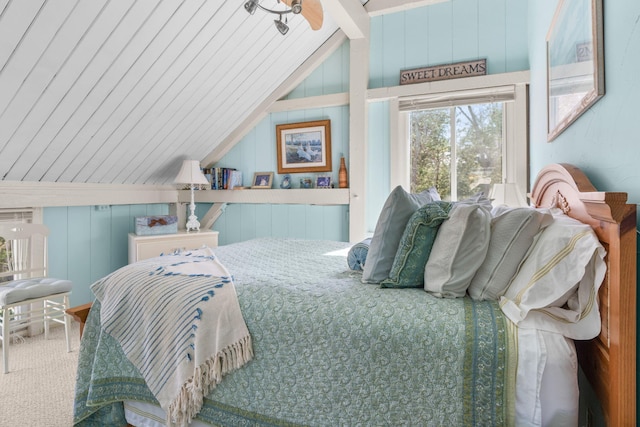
x=4 y=264
x=478 y=135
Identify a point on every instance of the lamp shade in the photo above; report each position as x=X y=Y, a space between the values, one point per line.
x=190 y=173
x=508 y=194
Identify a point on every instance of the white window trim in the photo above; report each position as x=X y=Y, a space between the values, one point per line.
x=516 y=127
x=35 y=215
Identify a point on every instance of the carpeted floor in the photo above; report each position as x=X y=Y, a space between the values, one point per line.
x=38 y=390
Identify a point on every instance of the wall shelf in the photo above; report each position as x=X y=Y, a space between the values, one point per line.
x=294 y=196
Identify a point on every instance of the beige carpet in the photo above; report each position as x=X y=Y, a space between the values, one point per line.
x=38 y=390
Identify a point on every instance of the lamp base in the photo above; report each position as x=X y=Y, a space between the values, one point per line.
x=193 y=223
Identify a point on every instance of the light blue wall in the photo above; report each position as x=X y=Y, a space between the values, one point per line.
x=604 y=141
x=256 y=152
x=86 y=243
x=454 y=31
x=331 y=77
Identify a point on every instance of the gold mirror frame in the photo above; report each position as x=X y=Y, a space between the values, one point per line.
x=575 y=63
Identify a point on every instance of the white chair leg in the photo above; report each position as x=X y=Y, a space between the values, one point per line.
x=67 y=322
x=6 y=339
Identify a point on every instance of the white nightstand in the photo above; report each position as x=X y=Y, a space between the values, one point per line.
x=143 y=247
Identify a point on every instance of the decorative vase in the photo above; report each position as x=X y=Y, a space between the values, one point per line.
x=343 y=181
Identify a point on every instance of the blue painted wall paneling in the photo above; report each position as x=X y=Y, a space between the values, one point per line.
x=332 y=76
x=378 y=180
x=457 y=30
x=86 y=244
x=242 y=222
x=256 y=152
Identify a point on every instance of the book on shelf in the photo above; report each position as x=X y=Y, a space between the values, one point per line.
x=225 y=178
x=235 y=179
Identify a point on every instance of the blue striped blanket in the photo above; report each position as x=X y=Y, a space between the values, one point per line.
x=178 y=321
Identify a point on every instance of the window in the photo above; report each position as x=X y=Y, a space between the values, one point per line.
x=11 y=258
x=461 y=141
x=458 y=150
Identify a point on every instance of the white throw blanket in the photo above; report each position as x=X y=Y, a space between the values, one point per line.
x=178 y=320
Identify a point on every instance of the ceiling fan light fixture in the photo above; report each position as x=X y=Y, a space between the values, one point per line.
x=251 y=6
x=281 y=26
x=312 y=11
x=296 y=6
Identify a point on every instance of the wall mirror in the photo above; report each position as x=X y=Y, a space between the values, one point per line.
x=575 y=62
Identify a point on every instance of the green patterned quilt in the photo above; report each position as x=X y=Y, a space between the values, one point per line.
x=330 y=350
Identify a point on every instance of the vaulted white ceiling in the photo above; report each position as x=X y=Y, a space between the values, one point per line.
x=120 y=91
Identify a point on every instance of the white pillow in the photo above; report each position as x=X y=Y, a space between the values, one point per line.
x=512 y=234
x=556 y=287
x=458 y=251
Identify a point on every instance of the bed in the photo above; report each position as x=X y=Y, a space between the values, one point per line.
x=328 y=349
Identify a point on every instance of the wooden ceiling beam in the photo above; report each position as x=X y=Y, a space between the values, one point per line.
x=350 y=15
x=381 y=7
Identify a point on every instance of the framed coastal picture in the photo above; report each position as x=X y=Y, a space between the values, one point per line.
x=304 y=147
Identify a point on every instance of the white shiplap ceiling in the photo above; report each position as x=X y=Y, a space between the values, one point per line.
x=120 y=91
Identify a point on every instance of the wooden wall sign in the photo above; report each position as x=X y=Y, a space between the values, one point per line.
x=444 y=72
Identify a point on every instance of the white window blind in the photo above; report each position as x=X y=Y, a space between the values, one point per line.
x=16 y=215
x=15 y=257
x=452 y=99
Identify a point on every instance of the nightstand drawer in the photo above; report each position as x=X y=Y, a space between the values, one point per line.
x=143 y=247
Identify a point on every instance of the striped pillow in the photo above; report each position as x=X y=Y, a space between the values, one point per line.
x=512 y=234
x=557 y=284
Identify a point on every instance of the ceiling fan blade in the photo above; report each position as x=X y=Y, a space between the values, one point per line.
x=311 y=11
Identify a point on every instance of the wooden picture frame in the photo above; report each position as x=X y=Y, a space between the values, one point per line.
x=262 y=180
x=304 y=147
x=575 y=63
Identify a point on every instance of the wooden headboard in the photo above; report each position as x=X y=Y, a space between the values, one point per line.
x=609 y=360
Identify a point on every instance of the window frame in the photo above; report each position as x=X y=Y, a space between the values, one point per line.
x=515 y=116
x=28 y=215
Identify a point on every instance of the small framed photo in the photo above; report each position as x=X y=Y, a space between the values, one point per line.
x=323 y=182
x=262 y=180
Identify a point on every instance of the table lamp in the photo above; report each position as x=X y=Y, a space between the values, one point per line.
x=508 y=194
x=191 y=174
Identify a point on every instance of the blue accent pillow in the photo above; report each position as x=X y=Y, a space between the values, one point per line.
x=415 y=246
x=357 y=255
x=395 y=214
